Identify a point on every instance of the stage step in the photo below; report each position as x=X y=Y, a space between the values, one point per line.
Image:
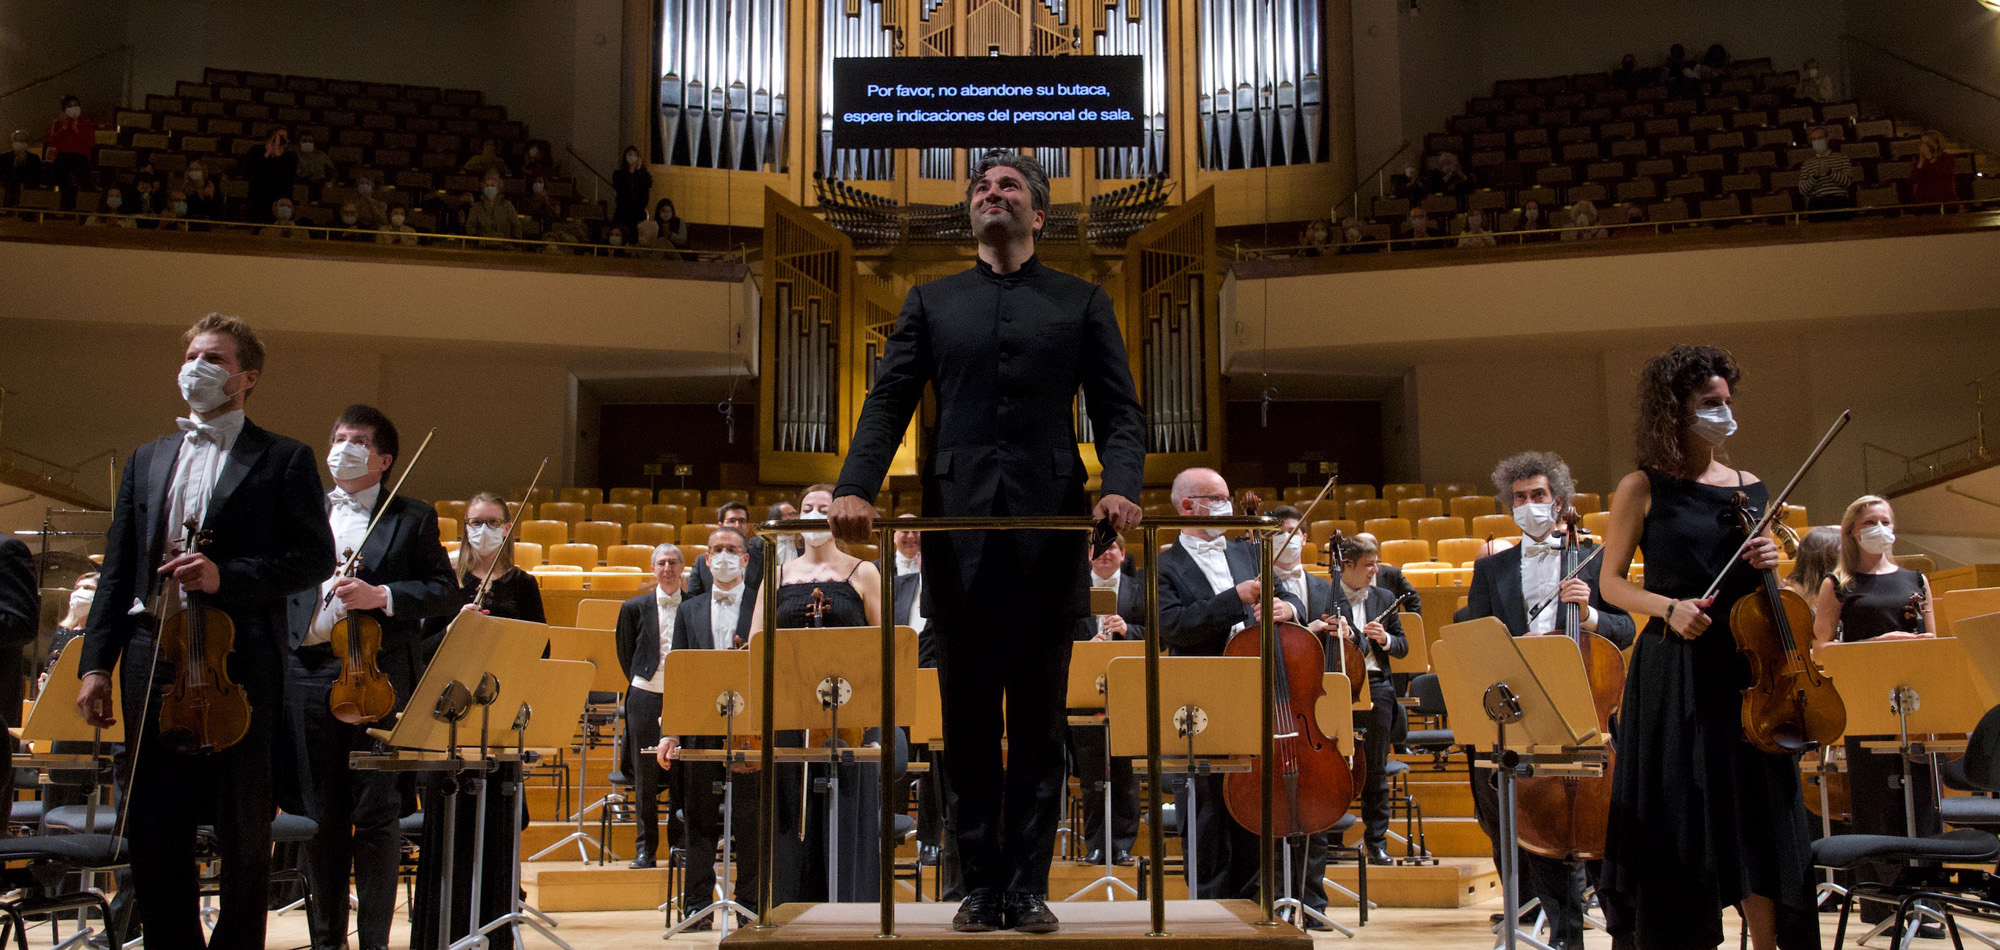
x=1191 y=925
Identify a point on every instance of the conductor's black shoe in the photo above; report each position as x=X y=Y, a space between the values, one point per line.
x=1378 y=854
x=1029 y=914
x=1096 y=856
x=1124 y=859
x=643 y=860
x=927 y=855
x=979 y=913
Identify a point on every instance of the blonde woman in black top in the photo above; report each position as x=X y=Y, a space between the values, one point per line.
x=1868 y=594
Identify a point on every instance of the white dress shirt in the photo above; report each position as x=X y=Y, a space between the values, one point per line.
x=668 y=607
x=1106 y=582
x=204 y=452
x=1357 y=617
x=1541 y=576
x=1208 y=555
x=724 y=607
x=348 y=515
x=917 y=619
x=1293 y=581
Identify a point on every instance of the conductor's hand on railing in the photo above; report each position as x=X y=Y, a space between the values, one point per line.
x=1123 y=512
x=853 y=519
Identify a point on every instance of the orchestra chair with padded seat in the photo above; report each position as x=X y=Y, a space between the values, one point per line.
x=447 y=528
x=1496 y=526
x=569 y=512
x=664 y=513
x=1586 y=502
x=581 y=496
x=1389 y=529
x=615 y=512
x=1455 y=489
x=1347 y=493
x=684 y=497
x=452 y=509
x=634 y=497
x=1472 y=506
x=1397 y=491
x=1364 y=509
x=580 y=555
x=604 y=534
x=1441 y=527
x=720 y=496
x=547 y=533
x=650 y=533
x=1417 y=509
x=629 y=555
x=527 y=554
x=1399 y=551
x=1459 y=552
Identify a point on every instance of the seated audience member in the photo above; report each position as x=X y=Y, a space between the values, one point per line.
x=1318 y=238
x=204 y=195
x=1628 y=76
x=1714 y=64
x=538 y=205
x=1533 y=224
x=351 y=228
x=1933 y=176
x=1476 y=232
x=1447 y=176
x=488 y=160
x=673 y=230
x=146 y=197
x=1674 y=72
x=1583 y=223
x=1419 y=229
x=1353 y=240
x=1826 y=180
x=20 y=166
x=538 y=161
x=113 y=214
x=281 y=213
x=491 y=214
x=615 y=237
x=175 y=213
x=1813 y=86
x=396 y=231
x=646 y=241
x=315 y=166
x=373 y=211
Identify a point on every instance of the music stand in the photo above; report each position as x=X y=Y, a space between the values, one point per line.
x=821 y=673
x=1953 y=606
x=600 y=649
x=1210 y=712
x=1087 y=687
x=1534 y=710
x=716 y=703
x=53 y=718
x=1907 y=688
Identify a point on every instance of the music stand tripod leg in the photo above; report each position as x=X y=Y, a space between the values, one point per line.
x=1510 y=852
x=580 y=836
x=523 y=912
x=1109 y=879
x=721 y=907
x=1291 y=902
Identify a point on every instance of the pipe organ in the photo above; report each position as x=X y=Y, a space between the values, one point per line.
x=722 y=90
x=1261 y=99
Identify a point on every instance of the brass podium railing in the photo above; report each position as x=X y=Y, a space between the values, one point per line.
x=886 y=529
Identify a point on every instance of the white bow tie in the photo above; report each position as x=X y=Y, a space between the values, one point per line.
x=1096 y=581
x=726 y=598
x=200 y=431
x=1296 y=574
x=1206 y=545
x=341 y=499
x=1542 y=548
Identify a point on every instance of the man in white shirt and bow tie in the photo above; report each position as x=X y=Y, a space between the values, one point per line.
x=259 y=496
x=645 y=635
x=716 y=619
x=1525 y=588
x=1209 y=589
x=1367 y=615
x=1087 y=743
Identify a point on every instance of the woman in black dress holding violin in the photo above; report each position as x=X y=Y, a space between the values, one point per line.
x=825 y=587
x=1700 y=820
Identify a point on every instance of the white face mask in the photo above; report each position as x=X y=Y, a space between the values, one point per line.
x=1294 y=549
x=202 y=385
x=349 y=219
x=539 y=187
x=491 y=191
x=194 y=174
x=1819 y=146
x=726 y=566
x=816 y=538
x=1714 y=424
x=306 y=147
x=284 y=213
x=1535 y=519
x=347 y=460
x=365 y=188
x=632 y=158
x=114 y=202
x=73 y=111
x=80 y=598
x=484 y=539
x=1876 y=538
x=396 y=219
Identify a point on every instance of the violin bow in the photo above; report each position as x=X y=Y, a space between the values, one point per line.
x=1305 y=517
x=513 y=521
x=381 y=507
x=1595 y=550
x=1776 y=507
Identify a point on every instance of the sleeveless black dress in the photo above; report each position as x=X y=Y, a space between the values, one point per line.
x=800 y=871
x=1699 y=819
x=1872 y=604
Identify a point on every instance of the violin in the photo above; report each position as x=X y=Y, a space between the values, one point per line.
x=361 y=693
x=1790 y=706
x=1913 y=612
x=1566 y=817
x=202 y=711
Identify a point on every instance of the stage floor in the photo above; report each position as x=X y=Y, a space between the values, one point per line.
x=1191 y=925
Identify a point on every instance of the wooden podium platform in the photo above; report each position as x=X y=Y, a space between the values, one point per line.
x=1085 y=926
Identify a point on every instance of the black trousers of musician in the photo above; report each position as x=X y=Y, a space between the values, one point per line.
x=702 y=805
x=1225 y=853
x=642 y=732
x=1380 y=723
x=1086 y=756
x=1004 y=818
x=1557 y=884
x=496 y=894
x=171 y=794
x=357 y=811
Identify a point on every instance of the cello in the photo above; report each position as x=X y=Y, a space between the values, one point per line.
x=1565 y=817
x=1790 y=706
x=361 y=693
x=202 y=710
x=1314 y=781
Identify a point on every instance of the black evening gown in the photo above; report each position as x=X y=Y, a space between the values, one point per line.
x=800 y=871
x=1699 y=819
x=1872 y=604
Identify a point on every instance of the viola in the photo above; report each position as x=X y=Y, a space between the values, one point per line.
x=361 y=693
x=1790 y=706
x=1566 y=817
x=202 y=711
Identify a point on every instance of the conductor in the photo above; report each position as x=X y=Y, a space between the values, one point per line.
x=1005 y=346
